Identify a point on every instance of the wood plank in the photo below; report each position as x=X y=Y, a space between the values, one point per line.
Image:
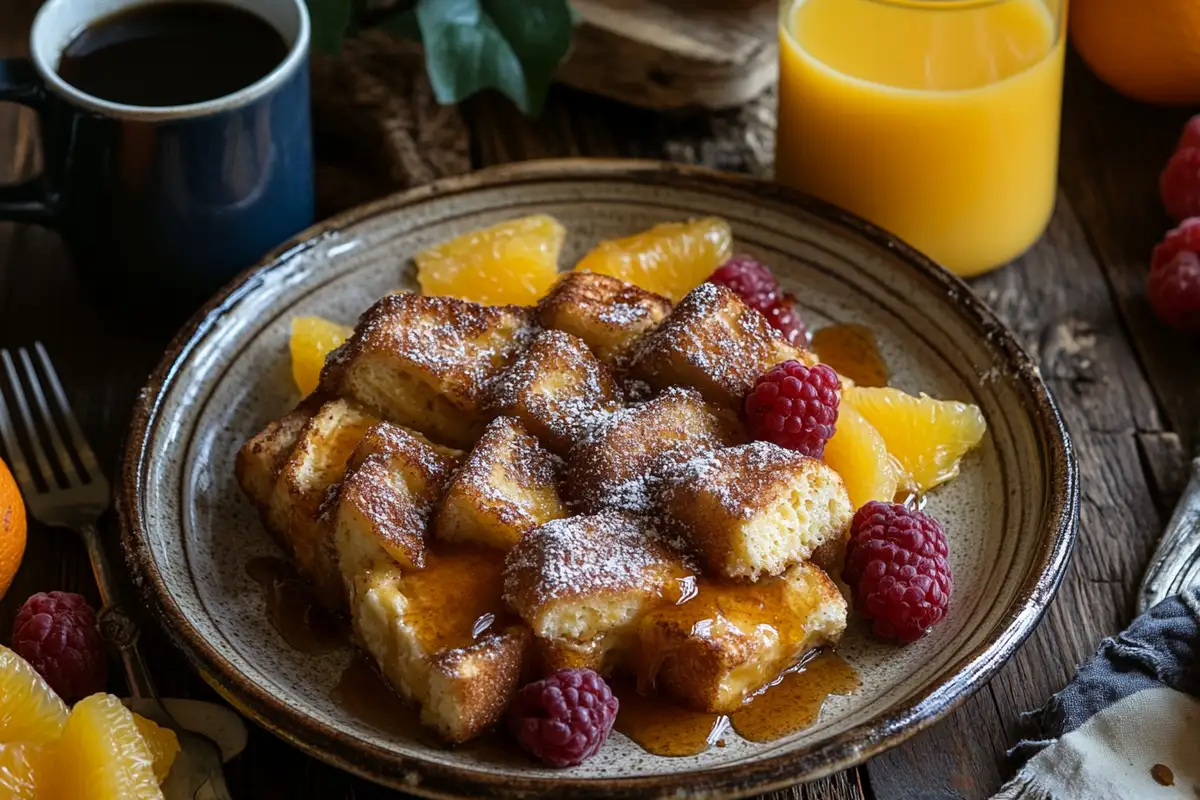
x=1113 y=151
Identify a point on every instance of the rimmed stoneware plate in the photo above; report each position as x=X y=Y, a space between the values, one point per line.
x=189 y=533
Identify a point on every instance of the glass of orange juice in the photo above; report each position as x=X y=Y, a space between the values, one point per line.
x=937 y=120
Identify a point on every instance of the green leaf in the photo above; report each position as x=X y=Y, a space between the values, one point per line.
x=509 y=45
x=330 y=20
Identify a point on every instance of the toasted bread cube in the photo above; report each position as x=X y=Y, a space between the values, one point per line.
x=425 y=362
x=506 y=488
x=733 y=639
x=605 y=312
x=713 y=342
x=756 y=509
x=619 y=463
x=260 y=459
x=439 y=637
x=316 y=463
x=384 y=503
x=557 y=389
x=582 y=578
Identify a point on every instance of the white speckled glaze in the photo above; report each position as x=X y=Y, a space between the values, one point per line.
x=189 y=533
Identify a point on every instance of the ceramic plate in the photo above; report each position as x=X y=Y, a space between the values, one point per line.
x=189 y=533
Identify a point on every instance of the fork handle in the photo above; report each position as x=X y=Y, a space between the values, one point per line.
x=1175 y=565
x=117 y=627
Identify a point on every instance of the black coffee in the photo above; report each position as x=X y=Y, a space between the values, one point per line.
x=169 y=54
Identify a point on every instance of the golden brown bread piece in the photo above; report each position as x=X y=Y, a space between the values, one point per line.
x=259 y=461
x=315 y=464
x=603 y=311
x=714 y=342
x=754 y=510
x=506 y=487
x=557 y=389
x=392 y=481
x=442 y=638
x=732 y=639
x=582 y=578
x=618 y=463
x=426 y=362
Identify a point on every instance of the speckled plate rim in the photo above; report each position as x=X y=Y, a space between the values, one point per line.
x=887 y=729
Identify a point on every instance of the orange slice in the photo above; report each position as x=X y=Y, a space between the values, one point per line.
x=858 y=453
x=101 y=756
x=30 y=710
x=514 y=262
x=670 y=259
x=21 y=770
x=162 y=743
x=927 y=437
x=313 y=338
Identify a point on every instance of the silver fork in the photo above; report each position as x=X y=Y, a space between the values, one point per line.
x=69 y=490
x=1175 y=565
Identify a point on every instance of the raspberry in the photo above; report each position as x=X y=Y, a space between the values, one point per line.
x=752 y=281
x=795 y=407
x=565 y=718
x=1185 y=237
x=1191 y=134
x=896 y=566
x=1179 y=184
x=1174 y=292
x=57 y=634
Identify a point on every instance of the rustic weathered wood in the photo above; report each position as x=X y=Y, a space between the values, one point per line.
x=674 y=53
x=1127 y=388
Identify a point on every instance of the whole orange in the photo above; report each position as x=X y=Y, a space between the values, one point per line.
x=12 y=528
x=1146 y=49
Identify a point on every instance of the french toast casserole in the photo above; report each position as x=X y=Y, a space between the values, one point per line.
x=495 y=493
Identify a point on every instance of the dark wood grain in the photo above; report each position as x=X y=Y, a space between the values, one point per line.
x=1128 y=389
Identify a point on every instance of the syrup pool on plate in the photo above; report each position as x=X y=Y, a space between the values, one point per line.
x=851 y=350
x=293 y=610
x=937 y=120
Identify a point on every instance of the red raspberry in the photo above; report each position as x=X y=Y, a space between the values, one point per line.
x=896 y=566
x=1191 y=134
x=784 y=319
x=1185 y=237
x=1174 y=292
x=752 y=281
x=1179 y=184
x=795 y=407
x=565 y=718
x=57 y=634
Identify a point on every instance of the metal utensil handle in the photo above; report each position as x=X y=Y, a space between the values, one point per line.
x=1176 y=563
x=117 y=627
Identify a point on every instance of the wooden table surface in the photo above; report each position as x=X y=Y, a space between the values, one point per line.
x=1128 y=388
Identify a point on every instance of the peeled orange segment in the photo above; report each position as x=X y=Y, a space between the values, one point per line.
x=670 y=259
x=858 y=453
x=313 y=338
x=927 y=437
x=21 y=770
x=101 y=756
x=163 y=745
x=514 y=262
x=30 y=711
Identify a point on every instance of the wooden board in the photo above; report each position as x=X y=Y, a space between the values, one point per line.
x=664 y=54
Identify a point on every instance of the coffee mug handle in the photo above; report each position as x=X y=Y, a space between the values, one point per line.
x=30 y=200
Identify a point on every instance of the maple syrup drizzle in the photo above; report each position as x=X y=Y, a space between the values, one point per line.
x=294 y=612
x=364 y=694
x=795 y=701
x=851 y=350
x=791 y=704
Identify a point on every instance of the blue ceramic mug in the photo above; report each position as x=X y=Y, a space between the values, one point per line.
x=163 y=205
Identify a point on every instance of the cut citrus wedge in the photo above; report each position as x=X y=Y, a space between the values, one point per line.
x=162 y=742
x=927 y=437
x=101 y=756
x=671 y=258
x=30 y=711
x=514 y=262
x=858 y=453
x=21 y=770
x=313 y=338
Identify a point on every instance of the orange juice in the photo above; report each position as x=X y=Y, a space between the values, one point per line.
x=937 y=120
